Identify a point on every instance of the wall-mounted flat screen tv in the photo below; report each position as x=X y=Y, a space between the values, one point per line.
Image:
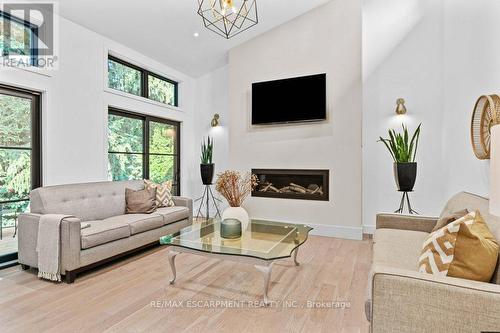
x=299 y=99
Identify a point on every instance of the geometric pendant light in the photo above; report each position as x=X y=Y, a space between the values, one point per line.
x=228 y=18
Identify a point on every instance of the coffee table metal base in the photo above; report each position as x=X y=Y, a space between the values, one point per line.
x=263 y=266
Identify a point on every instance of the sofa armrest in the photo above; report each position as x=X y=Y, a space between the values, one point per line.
x=70 y=241
x=406 y=222
x=186 y=202
x=27 y=224
x=409 y=301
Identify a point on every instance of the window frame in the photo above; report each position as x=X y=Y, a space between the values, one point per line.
x=33 y=28
x=144 y=84
x=146 y=119
x=35 y=148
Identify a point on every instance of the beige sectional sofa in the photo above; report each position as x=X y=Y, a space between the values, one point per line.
x=404 y=300
x=111 y=233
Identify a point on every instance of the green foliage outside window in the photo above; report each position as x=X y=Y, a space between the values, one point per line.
x=19 y=40
x=161 y=90
x=126 y=149
x=162 y=165
x=124 y=78
x=15 y=164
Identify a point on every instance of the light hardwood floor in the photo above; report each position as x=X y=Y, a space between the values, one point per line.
x=8 y=243
x=118 y=297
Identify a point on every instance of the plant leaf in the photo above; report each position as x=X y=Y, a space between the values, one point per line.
x=384 y=141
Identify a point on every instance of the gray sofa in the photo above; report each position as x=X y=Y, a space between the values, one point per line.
x=111 y=234
x=404 y=300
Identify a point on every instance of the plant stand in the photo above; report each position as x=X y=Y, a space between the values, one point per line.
x=400 y=210
x=205 y=199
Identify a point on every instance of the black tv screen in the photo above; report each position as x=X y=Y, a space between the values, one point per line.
x=291 y=100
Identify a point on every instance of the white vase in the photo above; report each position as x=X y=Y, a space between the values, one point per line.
x=238 y=213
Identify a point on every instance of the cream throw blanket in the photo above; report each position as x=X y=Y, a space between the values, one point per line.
x=48 y=246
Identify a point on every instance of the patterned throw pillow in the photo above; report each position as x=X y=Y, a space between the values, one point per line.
x=163 y=193
x=464 y=249
x=447 y=219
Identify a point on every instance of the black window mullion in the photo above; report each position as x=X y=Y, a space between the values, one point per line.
x=15 y=148
x=145 y=148
x=144 y=83
x=125 y=152
x=176 y=94
x=177 y=176
x=36 y=140
x=34 y=46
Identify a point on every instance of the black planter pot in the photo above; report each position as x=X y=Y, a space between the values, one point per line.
x=207 y=173
x=405 y=175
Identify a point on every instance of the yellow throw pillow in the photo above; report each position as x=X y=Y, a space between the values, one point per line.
x=163 y=193
x=464 y=249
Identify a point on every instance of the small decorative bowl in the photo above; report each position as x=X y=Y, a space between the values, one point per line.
x=230 y=228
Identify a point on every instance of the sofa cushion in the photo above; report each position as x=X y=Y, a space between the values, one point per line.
x=398 y=248
x=103 y=231
x=173 y=214
x=139 y=222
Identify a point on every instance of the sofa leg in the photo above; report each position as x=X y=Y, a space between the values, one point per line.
x=70 y=276
x=25 y=267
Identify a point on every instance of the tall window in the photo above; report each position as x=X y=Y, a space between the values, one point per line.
x=138 y=81
x=18 y=38
x=143 y=147
x=20 y=156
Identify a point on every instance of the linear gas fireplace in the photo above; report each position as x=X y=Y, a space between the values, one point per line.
x=292 y=184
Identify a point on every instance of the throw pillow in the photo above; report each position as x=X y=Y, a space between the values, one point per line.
x=163 y=193
x=464 y=249
x=142 y=201
x=447 y=219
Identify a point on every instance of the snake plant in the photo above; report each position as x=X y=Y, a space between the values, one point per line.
x=401 y=148
x=207 y=149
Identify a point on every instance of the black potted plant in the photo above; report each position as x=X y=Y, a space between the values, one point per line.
x=206 y=166
x=403 y=152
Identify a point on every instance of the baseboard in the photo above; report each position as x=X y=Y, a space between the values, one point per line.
x=337 y=231
x=369 y=229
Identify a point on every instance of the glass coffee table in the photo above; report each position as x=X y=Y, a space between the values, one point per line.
x=261 y=243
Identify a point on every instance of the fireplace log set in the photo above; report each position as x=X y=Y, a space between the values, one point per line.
x=312 y=189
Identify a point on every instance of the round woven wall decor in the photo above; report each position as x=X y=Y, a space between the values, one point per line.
x=486 y=114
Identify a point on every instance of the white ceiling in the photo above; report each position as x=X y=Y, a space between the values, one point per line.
x=163 y=29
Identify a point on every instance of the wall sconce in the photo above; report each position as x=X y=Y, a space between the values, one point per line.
x=400 y=108
x=215 y=120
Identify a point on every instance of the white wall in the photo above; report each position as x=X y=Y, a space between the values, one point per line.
x=472 y=69
x=75 y=102
x=212 y=97
x=327 y=39
x=441 y=56
x=402 y=57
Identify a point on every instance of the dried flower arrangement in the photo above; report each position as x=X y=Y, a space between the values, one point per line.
x=235 y=187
